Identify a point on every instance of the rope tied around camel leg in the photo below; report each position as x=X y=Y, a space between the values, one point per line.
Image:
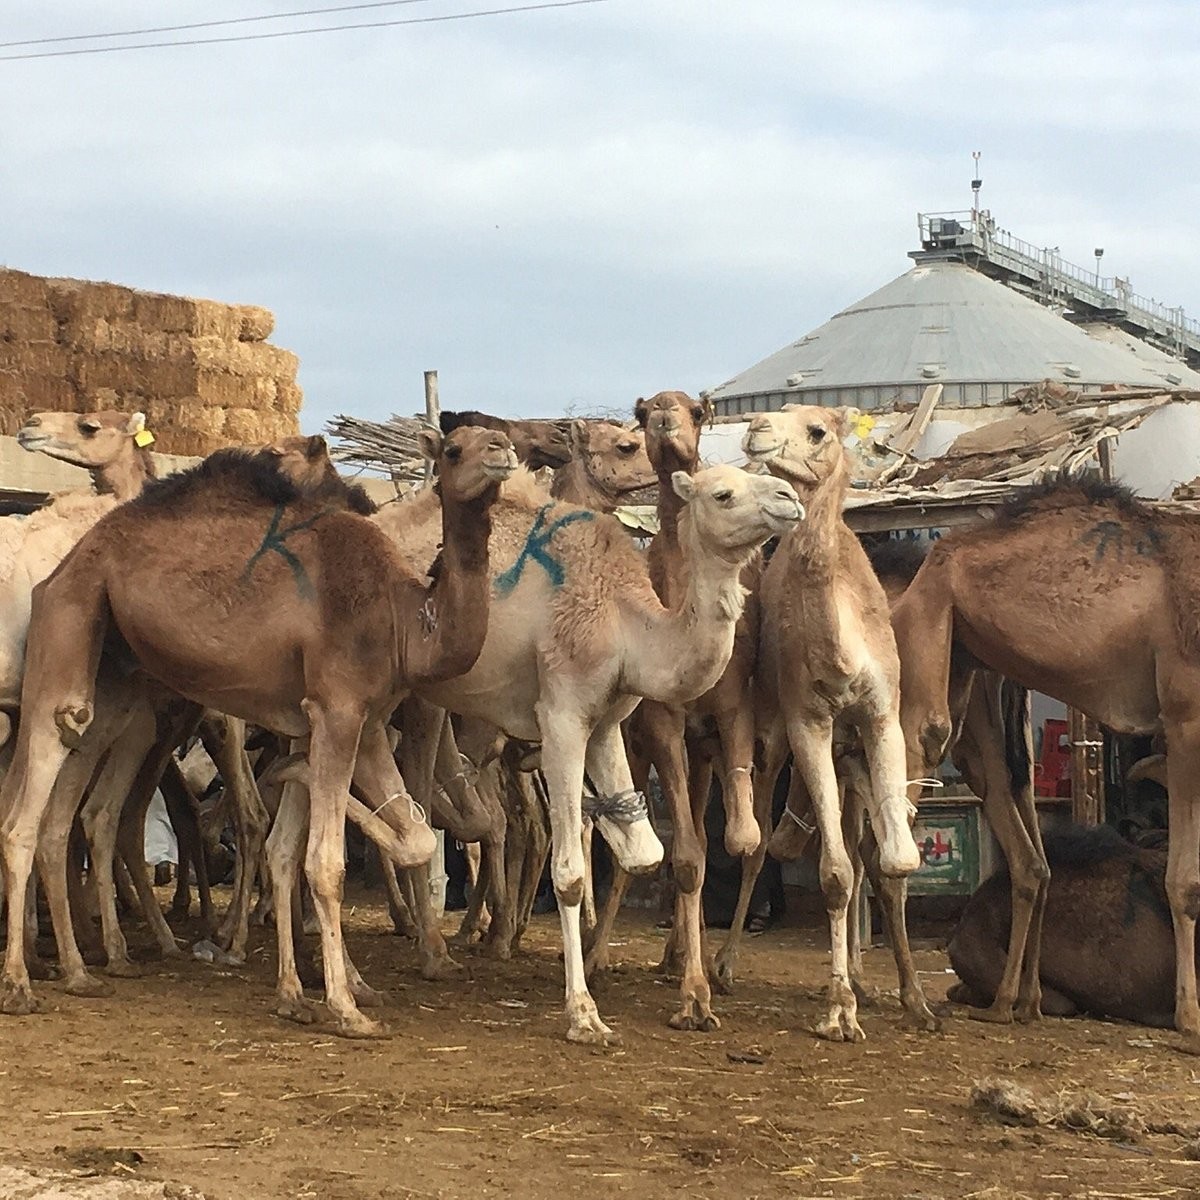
x=622 y=807
x=416 y=814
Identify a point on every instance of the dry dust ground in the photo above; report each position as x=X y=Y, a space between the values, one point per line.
x=184 y=1077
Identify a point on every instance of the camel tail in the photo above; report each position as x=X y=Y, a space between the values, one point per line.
x=1014 y=703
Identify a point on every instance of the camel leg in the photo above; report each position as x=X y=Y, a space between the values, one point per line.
x=402 y=919
x=535 y=809
x=1183 y=872
x=811 y=740
x=102 y=814
x=564 y=742
x=1010 y=812
x=853 y=823
x=501 y=930
x=228 y=751
x=772 y=751
x=185 y=818
x=735 y=727
x=695 y=1011
x=285 y=850
x=661 y=729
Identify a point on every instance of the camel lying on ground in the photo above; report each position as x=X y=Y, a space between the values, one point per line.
x=1107 y=942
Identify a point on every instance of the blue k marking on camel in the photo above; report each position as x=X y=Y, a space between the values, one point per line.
x=536 y=549
x=274 y=539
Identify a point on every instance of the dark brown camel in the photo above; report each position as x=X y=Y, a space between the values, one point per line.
x=240 y=591
x=1107 y=623
x=537 y=443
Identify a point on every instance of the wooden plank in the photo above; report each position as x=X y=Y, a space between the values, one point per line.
x=1087 y=784
x=916 y=516
x=907 y=441
x=433 y=412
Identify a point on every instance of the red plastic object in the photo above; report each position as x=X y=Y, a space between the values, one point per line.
x=1052 y=773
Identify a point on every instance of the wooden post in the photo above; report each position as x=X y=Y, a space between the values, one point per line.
x=433 y=411
x=1087 y=778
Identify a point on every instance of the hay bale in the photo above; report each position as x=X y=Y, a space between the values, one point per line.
x=27 y=323
x=257 y=323
x=251 y=427
x=210 y=319
x=288 y=397
x=74 y=300
x=171 y=314
x=34 y=358
x=16 y=287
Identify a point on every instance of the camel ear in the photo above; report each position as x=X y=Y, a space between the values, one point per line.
x=684 y=485
x=710 y=411
x=135 y=424
x=641 y=411
x=580 y=435
x=849 y=419
x=430 y=442
x=316 y=447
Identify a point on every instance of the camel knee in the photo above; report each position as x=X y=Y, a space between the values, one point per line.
x=837 y=880
x=72 y=720
x=1184 y=896
x=934 y=737
x=326 y=876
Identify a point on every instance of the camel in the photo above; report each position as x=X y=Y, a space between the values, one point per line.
x=283 y=607
x=537 y=443
x=577 y=636
x=608 y=463
x=828 y=658
x=1106 y=625
x=673 y=737
x=1108 y=947
x=992 y=751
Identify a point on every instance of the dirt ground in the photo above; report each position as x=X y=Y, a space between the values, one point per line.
x=185 y=1078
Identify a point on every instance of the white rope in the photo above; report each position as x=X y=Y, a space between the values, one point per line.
x=416 y=814
x=803 y=824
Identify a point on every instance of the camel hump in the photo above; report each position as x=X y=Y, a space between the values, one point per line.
x=289 y=472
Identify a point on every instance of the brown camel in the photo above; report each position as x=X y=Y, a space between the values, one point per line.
x=537 y=443
x=992 y=751
x=674 y=738
x=1108 y=948
x=282 y=607
x=577 y=635
x=1105 y=625
x=608 y=463
x=828 y=658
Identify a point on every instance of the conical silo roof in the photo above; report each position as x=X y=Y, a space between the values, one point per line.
x=941 y=322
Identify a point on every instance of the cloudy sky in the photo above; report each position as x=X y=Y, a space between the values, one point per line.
x=562 y=210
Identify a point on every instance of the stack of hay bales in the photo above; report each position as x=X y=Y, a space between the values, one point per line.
x=203 y=373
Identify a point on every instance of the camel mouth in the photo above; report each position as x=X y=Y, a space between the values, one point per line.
x=784 y=516
x=758 y=451
x=501 y=465
x=28 y=440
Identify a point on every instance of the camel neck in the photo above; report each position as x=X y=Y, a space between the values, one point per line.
x=670 y=504
x=575 y=484
x=817 y=539
x=454 y=608
x=124 y=477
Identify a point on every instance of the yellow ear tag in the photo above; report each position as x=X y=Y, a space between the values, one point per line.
x=143 y=438
x=864 y=425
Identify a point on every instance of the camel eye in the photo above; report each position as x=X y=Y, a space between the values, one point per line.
x=816 y=434
x=724 y=495
x=89 y=428
x=698 y=413
x=629 y=449
x=454 y=452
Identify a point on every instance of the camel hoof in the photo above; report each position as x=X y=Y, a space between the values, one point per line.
x=993 y=1015
x=723 y=974
x=440 y=966
x=498 y=948
x=121 y=968
x=1027 y=1014
x=299 y=1009
x=360 y=1027
x=18 y=1000
x=210 y=952
x=593 y=1034
x=366 y=996
x=868 y=997
x=694 y=1020
x=923 y=1019
x=1188 y=1044
x=89 y=986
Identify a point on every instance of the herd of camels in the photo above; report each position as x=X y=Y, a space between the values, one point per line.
x=497 y=646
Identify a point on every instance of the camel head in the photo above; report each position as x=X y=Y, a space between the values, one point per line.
x=733 y=513
x=613 y=457
x=802 y=443
x=672 y=421
x=88 y=440
x=472 y=462
x=537 y=443
x=304 y=460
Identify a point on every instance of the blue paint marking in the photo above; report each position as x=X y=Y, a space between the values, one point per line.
x=535 y=549
x=274 y=539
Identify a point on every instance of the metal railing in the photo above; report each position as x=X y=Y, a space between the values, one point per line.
x=1054 y=279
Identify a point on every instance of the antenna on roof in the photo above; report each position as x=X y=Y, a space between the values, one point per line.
x=976 y=184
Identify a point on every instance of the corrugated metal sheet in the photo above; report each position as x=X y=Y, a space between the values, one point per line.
x=940 y=323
